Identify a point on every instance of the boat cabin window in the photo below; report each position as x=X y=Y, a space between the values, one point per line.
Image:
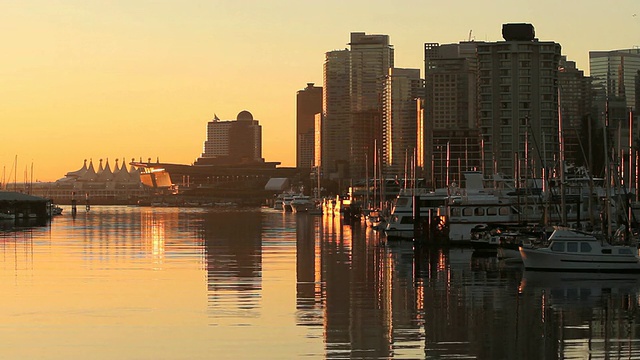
x=585 y=247
x=606 y=251
x=504 y=211
x=492 y=211
x=624 y=251
x=557 y=246
x=572 y=247
x=479 y=211
x=467 y=211
x=455 y=212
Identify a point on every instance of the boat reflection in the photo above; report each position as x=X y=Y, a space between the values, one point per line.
x=588 y=315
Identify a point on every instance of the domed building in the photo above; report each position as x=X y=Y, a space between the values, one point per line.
x=233 y=142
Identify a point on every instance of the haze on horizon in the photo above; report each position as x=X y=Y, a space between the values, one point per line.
x=141 y=79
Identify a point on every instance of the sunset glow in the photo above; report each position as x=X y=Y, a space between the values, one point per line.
x=141 y=79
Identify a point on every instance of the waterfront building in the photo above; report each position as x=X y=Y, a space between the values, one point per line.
x=354 y=80
x=615 y=76
x=575 y=106
x=371 y=57
x=308 y=104
x=335 y=137
x=450 y=138
x=518 y=102
x=402 y=92
x=104 y=186
x=233 y=142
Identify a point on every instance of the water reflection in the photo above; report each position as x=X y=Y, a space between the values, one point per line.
x=233 y=243
x=254 y=283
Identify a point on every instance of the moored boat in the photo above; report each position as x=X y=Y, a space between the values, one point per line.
x=573 y=250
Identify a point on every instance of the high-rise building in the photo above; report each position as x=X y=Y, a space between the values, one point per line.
x=518 y=90
x=616 y=72
x=335 y=120
x=402 y=91
x=232 y=142
x=370 y=58
x=308 y=104
x=450 y=140
x=575 y=106
x=615 y=83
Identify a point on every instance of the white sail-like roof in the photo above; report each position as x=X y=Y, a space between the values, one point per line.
x=78 y=173
x=122 y=175
x=105 y=174
x=90 y=174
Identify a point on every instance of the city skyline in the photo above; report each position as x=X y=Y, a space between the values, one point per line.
x=128 y=80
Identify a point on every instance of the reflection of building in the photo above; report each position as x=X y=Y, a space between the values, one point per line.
x=104 y=186
x=232 y=142
x=233 y=245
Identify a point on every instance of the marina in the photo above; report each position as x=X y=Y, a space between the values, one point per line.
x=197 y=283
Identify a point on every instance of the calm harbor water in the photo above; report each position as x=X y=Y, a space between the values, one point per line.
x=171 y=283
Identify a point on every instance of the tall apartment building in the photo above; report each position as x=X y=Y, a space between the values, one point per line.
x=518 y=90
x=450 y=139
x=371 y=57
x=308 y=104
x=616 y=72
x=575 y=106
x=402 y=92
x=335 y=120
x=615 y=77
x=352 y=105
x=232 y=142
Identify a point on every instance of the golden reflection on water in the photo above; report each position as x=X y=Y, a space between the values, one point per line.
x=174 y=283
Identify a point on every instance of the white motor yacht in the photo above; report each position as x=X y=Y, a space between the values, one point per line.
x=573 y=250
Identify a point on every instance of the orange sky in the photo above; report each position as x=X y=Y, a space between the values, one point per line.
x=92 y=79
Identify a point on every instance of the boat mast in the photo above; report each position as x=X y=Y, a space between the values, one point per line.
x=563 y=207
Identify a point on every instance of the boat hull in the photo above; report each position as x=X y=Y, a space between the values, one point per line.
x=543 y=260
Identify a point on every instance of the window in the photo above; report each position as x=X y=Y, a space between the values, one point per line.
x=624 y=251
x=572 y=247
x=557 y=246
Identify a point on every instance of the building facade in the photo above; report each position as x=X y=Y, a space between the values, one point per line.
x=233 y=142
x=575 y=107
x=615 y=78
x=371 y=57
x=335 y=120
x=451 y=133
x=308 y=104
x=518 y=100
x=402 y=92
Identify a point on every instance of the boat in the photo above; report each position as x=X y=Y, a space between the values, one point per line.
x=7 y=216
x=375 y=220
x=574 y=250
x=56 y=210
x=301 y=203
x=400 y=223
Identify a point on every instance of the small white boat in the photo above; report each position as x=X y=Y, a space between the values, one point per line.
x=301 y=203
x=56 y=210
x=572 y=250
x=376 y=220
